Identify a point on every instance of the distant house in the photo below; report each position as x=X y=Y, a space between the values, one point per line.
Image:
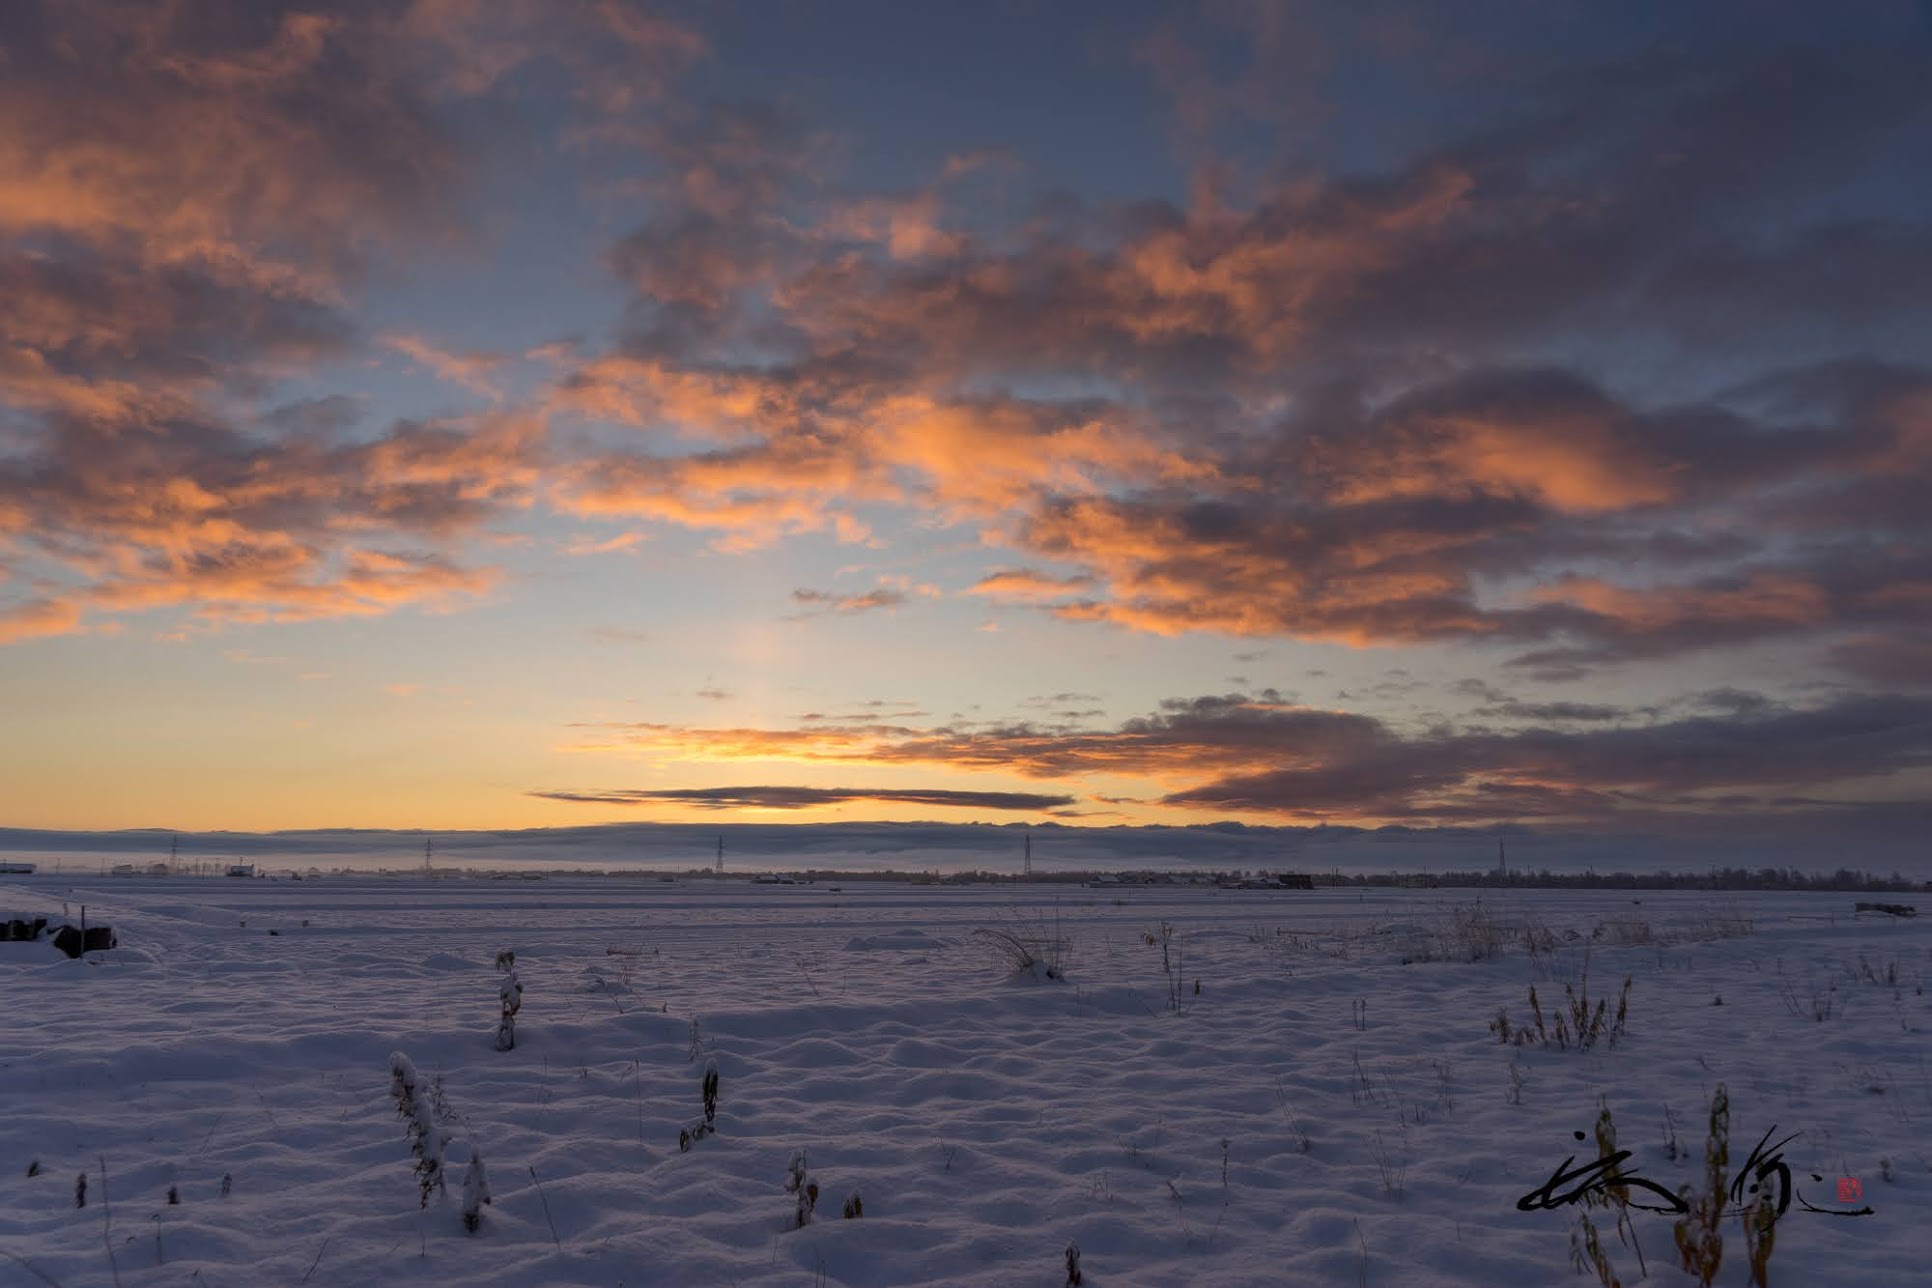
x=16 y=869
x=241 y=869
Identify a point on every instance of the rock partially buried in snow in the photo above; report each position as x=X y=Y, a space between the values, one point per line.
x=74 y=941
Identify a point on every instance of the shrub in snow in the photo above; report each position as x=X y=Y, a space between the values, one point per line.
x=1586 y=1248
x=1586 y=1253
x=510 y=995
x=1760 y=1229
x=1700 y=1246
x=1025 y=953
x=799 y=1182
x=699 y=1130
x=80 y=1190
x=227 y=1184
x=402 y=1081
x=854 y=1206
x=476 y=1192
x=426 y=1138
x=33 y=1168
x=1074 y=1279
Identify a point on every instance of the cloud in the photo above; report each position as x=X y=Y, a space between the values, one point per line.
x=893 y=591
x=616 y=55
x=187 y=201
x=1897 y=661
x=1027 y=586
x=1756 y=761
x=1343 y=406
x=474 y=371
x=869 y=601
x=1414 y=398
x=723 y=798
x=618 y=544
x=37 y=619
x=200 y=140
x=201 y=514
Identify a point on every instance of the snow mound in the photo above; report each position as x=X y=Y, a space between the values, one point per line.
x=895 y=940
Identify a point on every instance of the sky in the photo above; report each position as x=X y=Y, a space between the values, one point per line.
x=523 y=413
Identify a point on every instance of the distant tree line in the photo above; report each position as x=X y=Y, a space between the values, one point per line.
x=1713 y=879
x=1726 y=878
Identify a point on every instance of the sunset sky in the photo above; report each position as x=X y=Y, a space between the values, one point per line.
x=503 y=413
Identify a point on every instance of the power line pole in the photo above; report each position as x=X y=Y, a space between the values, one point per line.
x=1029 y=854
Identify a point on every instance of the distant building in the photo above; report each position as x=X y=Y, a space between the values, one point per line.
x=16 y=869
x=241 y=869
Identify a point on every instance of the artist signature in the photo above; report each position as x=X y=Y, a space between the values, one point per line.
x=1765 y=1167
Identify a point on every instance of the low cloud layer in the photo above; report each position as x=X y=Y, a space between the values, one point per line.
x=735 y=798
x=1256 y=754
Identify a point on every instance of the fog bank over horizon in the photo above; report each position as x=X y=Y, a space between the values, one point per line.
x=950 y=848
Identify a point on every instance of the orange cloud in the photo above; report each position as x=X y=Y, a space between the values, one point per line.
x=476 y=372
x=183 y=205
x=1247 y=733
x=1762 y=599
x=1026 y=586
x=1570 y=458
x=37 y=619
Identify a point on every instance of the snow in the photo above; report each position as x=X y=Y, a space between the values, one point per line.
x=1330 y=1108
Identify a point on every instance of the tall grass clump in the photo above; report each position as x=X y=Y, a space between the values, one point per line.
x=1700 y=1244
x=1579 y=1025
x=1029 y=949
x=1586 y=1247
x=1817 y=1005
x=1476 y=932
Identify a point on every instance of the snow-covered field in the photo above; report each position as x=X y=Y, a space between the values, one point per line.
x=1330 y=1108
